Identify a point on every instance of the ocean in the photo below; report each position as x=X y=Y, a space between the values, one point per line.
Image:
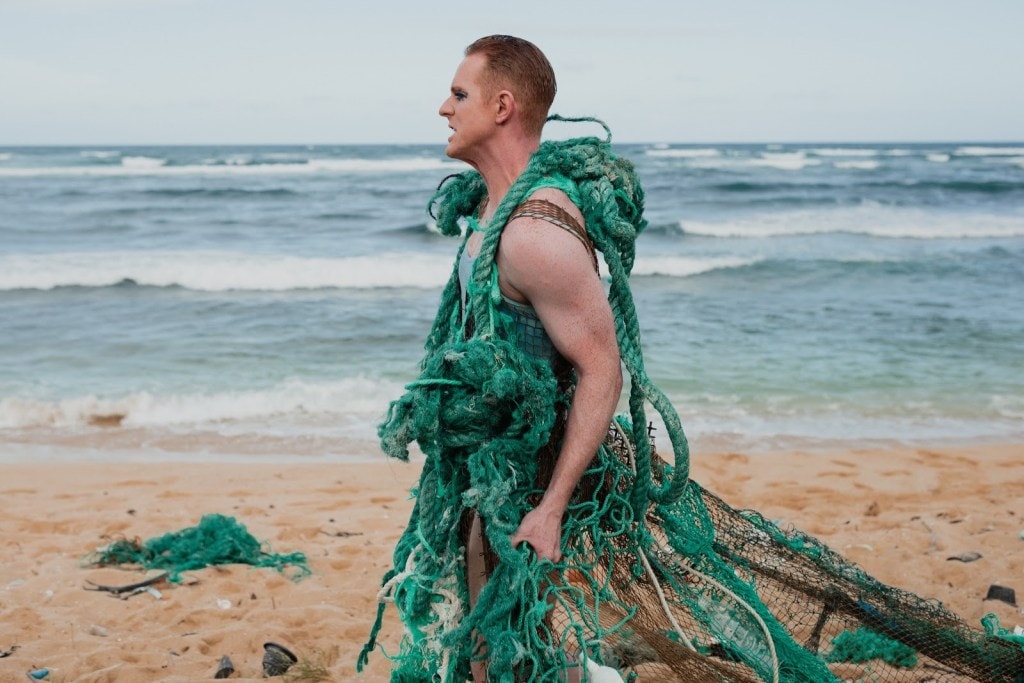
x=269 y=301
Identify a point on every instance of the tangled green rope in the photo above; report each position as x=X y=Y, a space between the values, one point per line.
x=864 y=645
x=481 y=411
x=612 y=203
x=217 y=539
x=655 y=570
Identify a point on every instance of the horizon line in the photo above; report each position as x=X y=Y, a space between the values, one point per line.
x=893 y=141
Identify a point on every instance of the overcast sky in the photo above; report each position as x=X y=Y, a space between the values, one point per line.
x=338 y=71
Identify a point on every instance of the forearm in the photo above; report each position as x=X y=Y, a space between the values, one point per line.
x=593 y=405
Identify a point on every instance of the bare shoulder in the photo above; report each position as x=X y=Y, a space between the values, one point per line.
x=527 y=233
x=560 y=199
x=535 y=254
x=539 y=241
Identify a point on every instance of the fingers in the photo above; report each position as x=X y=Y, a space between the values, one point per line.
x=551 y=555
x=517 y=542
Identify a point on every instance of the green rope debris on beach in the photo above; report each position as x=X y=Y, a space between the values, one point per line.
x=217 y=539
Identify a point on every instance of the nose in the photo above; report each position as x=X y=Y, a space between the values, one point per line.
x=445 y=109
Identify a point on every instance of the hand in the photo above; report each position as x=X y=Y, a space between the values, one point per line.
x=541 y=528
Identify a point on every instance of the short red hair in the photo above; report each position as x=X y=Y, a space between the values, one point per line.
x=520 y=67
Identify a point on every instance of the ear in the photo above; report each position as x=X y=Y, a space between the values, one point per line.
x=506 y=107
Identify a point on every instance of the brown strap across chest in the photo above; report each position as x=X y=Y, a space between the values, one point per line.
x=553 y=213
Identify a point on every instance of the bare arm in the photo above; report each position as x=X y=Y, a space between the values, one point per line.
x=548 y=267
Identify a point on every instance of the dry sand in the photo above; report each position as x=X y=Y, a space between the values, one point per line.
x=899 y=512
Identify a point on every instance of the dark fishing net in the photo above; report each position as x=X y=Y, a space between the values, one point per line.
x=659 y=579
x=733 y=597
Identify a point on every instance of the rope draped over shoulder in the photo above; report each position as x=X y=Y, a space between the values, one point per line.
x=481 y=411
x=643 y=545
x=612 y=203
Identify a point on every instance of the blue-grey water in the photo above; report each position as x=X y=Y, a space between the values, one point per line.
x=274 y=299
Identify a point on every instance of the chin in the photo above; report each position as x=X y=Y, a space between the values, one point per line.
x=452 y=151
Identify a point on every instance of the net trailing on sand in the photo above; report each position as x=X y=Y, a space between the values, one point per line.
x=659 y=580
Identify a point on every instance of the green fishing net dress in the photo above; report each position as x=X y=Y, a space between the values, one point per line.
x=659 y=579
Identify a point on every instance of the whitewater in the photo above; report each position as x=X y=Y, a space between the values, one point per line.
x=268 y=299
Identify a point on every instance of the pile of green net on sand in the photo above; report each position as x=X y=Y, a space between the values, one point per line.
x=660 y=580
x=217 y=539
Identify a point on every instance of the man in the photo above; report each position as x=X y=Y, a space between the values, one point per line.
x=539 y=546
x=499 y=100
x=496 y=119
x=519 y=386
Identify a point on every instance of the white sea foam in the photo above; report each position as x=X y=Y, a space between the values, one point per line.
x=358 y=399
x=289 y=156
x=685 y=267
x=937 y=158
x=214 y=271
x=384 y=165
x=299 y=413
x=145 y=163
x=686 y=153
x=6 y=156
x=151 y=166
x=830 y=423
x=842 y=152
x=99 y=154
x=217 y=271
x=1015 y=161
x=865 y=220
x=785 y=161
x=979 y=151
x=857 y=165
x=1009 y=405
x=238 y=159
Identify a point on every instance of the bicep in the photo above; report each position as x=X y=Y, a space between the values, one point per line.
x=553 y=271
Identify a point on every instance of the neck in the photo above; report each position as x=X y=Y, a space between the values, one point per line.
x=501 y=166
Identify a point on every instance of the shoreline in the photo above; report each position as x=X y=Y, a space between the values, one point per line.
x=900 y=512
x=142 y=445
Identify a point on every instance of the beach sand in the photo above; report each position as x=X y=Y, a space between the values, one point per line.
x=899 y=512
